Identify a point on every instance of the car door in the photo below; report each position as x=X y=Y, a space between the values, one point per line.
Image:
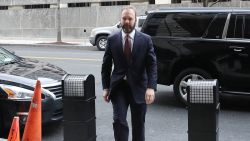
x=236 y=71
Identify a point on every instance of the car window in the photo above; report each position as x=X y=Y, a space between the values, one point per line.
x=6 y=57
x=190 y=24
x=140 y=22
x=247 y=27
x=216 y=27
x=178 y=24
x=239 y=26
x=153 y=23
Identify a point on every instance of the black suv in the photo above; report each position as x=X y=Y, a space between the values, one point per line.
x=202 y=43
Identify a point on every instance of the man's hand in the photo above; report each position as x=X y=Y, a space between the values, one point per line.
x=106 y=95
x=150 y=96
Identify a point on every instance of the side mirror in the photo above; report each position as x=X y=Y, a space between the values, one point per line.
x=119 y=25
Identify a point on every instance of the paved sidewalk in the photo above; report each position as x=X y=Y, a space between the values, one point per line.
x=44 y=41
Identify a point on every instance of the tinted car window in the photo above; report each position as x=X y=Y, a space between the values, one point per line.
x=239 y=26
x=247 y=27
x=190 y=24
x=140 y=22
x=153 y=23
x=231 y=30
x=216 y=27
x=235 y=27
x=178 y=24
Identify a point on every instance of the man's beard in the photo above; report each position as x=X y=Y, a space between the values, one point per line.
x=128 y=29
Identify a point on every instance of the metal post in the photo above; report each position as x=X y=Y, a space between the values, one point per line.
x=203 y=111
x=59 y=32
x=79 y=108
x=205 y=3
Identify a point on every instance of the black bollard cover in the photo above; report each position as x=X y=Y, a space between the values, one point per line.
x=203 y=110
x=79 y=119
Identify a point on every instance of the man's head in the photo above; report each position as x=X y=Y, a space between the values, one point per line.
x=128 y=19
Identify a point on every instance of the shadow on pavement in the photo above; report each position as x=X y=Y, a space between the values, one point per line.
x=235 y=102
x=49 y=130
x=167 y=98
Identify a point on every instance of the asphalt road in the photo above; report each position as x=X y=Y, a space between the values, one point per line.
x=166 y=119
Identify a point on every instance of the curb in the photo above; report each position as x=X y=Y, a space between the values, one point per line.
x=77 y=46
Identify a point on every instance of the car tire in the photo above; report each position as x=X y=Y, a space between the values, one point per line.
x=101 y=43
x=180 y=83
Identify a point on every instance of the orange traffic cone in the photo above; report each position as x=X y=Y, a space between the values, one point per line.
x=33 y=127
x=14 y=134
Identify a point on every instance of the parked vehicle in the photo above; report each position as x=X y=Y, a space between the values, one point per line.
x=17 y=81
x=99 y=35
x=202 y=43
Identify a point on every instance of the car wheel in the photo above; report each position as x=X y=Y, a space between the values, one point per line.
x=180 y=83
x=101 y=43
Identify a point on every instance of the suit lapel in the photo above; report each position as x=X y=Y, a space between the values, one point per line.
x=120 y=46
x=135 y=44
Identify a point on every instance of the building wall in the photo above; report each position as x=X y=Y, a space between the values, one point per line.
x=26 y=2
x=29 y=2
x=42 y=23
x=162 y=1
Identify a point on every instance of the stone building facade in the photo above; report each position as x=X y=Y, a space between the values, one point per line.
x=39 y=18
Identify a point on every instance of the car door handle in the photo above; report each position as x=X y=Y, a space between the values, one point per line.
x=239 y=51
x=237 y=48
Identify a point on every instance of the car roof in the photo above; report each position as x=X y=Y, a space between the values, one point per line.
x=202 y=10
x=142 y=17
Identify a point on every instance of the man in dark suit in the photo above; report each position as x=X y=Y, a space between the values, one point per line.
x=133 y=79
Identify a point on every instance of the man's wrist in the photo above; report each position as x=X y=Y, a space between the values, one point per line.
x=150 y=89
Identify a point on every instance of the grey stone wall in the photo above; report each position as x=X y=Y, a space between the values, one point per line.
x=26 y=2
x=42 y=23
x=71 y=1
x=28 y=23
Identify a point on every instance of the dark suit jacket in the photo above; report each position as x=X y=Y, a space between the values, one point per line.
x=141 y=72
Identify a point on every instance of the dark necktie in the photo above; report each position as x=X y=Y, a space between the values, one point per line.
x=127 y=48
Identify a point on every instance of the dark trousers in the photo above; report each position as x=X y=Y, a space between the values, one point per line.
x=121 y=99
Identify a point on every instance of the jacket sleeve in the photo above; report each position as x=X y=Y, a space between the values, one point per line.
x=151 y=66
x=106 y=66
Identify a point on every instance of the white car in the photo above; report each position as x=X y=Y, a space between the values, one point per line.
x=99 y=35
